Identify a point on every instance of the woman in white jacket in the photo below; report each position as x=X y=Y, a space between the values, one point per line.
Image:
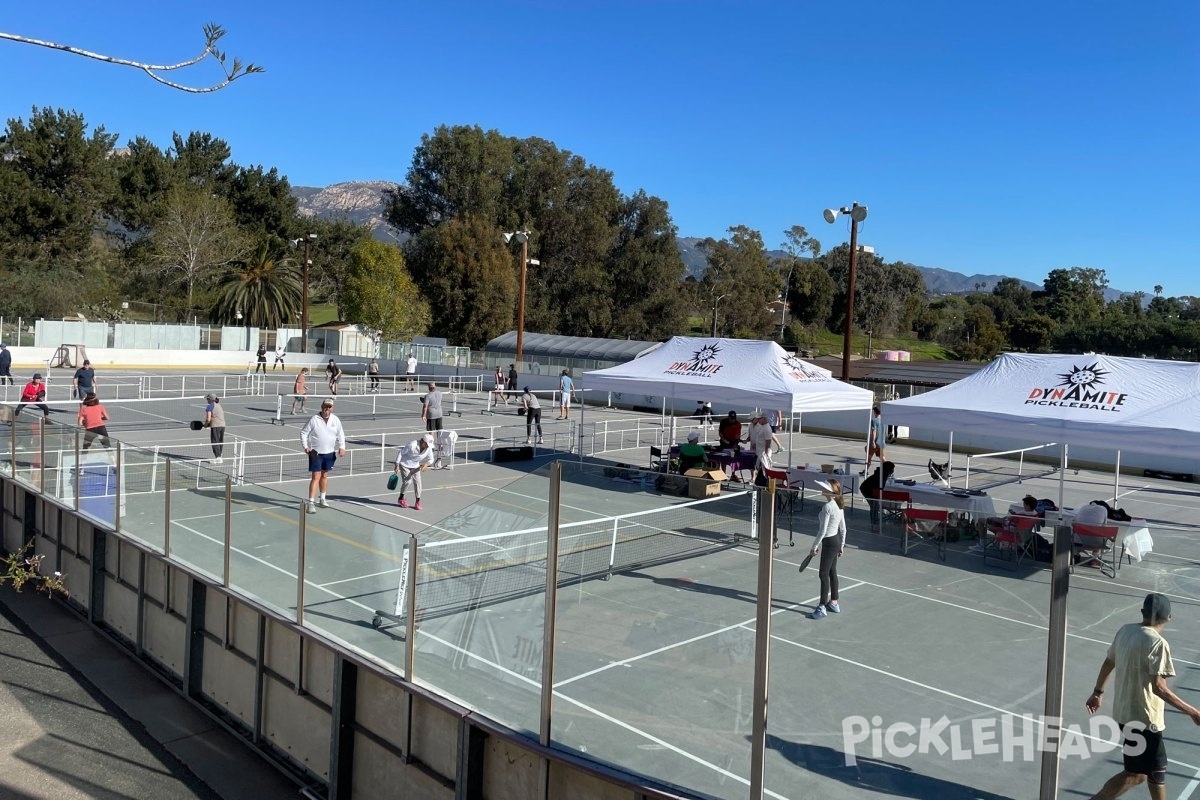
x=830 y=540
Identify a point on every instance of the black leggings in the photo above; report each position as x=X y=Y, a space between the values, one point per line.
x=533 y=417
x=829 y=579
x=90 y=435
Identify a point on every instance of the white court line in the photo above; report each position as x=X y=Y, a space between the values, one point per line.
x=1191 y=787
x=606 y=717
x=363 y=578
x=717 y=632
x=928 y=688
x=276 y=568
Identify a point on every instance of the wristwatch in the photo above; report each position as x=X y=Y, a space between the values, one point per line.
x=1097 y=692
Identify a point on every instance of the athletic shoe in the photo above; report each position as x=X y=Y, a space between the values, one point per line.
x=417 y=507
x=402 y=502
x=218 y=461
x=819 y=613
x=832 y=607
x=312 y=508
x=529 y=441
x=323 y=503
x=539 y=441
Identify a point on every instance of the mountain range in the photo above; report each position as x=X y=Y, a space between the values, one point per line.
x=361 y=202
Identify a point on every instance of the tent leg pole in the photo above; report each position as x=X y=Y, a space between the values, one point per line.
x=1116 y=479
x=950 y=459
x=791 y=430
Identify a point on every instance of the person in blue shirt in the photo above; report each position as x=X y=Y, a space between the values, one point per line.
x=566 y=391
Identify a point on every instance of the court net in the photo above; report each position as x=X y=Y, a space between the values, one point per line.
x=371 y=405
x=166 y=413
x=985 y=470
x=463 y=574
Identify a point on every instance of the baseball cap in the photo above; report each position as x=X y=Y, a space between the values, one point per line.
x=526 y=389
x=694 y=436
x=1156 y=607
x=37 y=376
x=825 y=486
x=326 y=403
x=212 y=398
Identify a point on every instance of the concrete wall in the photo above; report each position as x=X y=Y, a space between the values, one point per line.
x=337 y=722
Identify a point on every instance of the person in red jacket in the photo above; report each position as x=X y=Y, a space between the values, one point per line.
x=34 y=392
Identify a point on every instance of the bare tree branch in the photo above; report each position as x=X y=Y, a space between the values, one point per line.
x=212 y=34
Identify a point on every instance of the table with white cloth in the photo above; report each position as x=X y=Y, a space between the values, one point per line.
x=1133 y=536
x=979 y=506
x=808 y=477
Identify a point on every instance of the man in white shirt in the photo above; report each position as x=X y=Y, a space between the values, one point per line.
x=280 y=352
x=1141 y=658
x=762 y=441
x=323 y=440
x=410 y=373
x=411 y=460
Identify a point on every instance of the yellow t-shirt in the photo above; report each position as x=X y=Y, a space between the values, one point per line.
x=1139 y=654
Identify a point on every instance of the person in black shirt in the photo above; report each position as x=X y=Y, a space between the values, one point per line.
x=874 y=482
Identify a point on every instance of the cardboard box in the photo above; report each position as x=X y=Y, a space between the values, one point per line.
x=827 y=469
x=704 y=483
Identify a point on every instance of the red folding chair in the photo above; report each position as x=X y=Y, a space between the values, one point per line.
x=892 y=504
x=1012 y=538
x=1095 y=545
x=928 y=525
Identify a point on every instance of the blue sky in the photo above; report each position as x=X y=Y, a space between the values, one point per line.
x=1009 y=138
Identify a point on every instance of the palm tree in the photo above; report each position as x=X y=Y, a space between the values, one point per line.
x=1158 y=290
x=264 y=289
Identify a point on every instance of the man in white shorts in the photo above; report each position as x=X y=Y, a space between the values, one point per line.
x=566 y=389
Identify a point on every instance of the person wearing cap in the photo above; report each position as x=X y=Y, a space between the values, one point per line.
x=84 y=381
x=830 y=541
x=5 y=365
x=512 y=377
x=533 y=415
x=323 y=440
x=566 y=391
x=261 y=355
x=92 y=417
x=431 y=408
x=214 y=420
x=411 y=460
x=33 y=392
x=1141 y=657
x=280 y=352
x=691 y=454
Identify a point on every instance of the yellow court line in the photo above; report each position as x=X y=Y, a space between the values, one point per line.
x=335 y=536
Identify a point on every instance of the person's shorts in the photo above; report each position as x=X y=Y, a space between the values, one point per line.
x=321 y=462
x=433 y=424
x=565 y=400
x=1152 y=759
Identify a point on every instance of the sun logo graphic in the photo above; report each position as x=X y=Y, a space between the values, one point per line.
x=800 y=370
x=701 y=364
x=1081 y=388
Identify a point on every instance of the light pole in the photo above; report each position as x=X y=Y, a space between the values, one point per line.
x=307 y=239
x=523 y=238
x=857 y=214
x=716 y=303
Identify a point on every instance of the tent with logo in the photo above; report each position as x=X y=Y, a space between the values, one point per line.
x=731 y=371
x=1132 y=404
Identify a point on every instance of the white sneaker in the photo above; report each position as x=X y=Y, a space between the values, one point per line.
x=323 y=503
x=529 y=441
x=312 y=509
x=218 y=461
x=539 y=441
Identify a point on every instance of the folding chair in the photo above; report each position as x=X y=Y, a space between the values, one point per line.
x=1012 y=538
x=1095 y=544
x=658 y=462
x=786 y=495
x=892 y=504
x=928 y=525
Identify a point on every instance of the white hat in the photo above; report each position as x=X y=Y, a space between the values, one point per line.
x=825 y=487
x=694 y=436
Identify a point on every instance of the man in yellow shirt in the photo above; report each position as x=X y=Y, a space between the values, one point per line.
x=1141 y=657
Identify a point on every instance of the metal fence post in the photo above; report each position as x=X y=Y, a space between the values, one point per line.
x=75 y=489
x=762 y=642
x=167 y=514
x=548 y=638
x=228 y=525
x=300 y=565
x=410 y=604
x=117 y=487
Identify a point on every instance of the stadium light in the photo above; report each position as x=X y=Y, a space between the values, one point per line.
x=523 y=238
x=857 y=214
x=306 y=240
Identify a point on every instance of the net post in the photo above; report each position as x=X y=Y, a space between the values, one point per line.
x=966 y=475
x=612 y=549
x=278 y=411
x=301 y=556
x=239 y=460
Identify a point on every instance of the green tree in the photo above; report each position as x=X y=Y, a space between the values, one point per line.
x=468 y=279
x=646 y=272
x=739 y=283
x=380 y=295
x=195 y=241
x=797 y=242
x=1073 y=296
x=264 y=289
x=330 y=254
x=812 y=295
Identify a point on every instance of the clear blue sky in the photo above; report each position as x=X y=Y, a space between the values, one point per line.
x=985 y=137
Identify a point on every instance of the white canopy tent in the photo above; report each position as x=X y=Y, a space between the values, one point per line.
x=1142 y=405
x=731 y=371
x=1136 y=404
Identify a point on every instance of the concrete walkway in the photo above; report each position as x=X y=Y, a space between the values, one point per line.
x=82 y=719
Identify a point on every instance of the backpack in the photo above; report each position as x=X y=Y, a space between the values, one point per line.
x=1045 y=505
